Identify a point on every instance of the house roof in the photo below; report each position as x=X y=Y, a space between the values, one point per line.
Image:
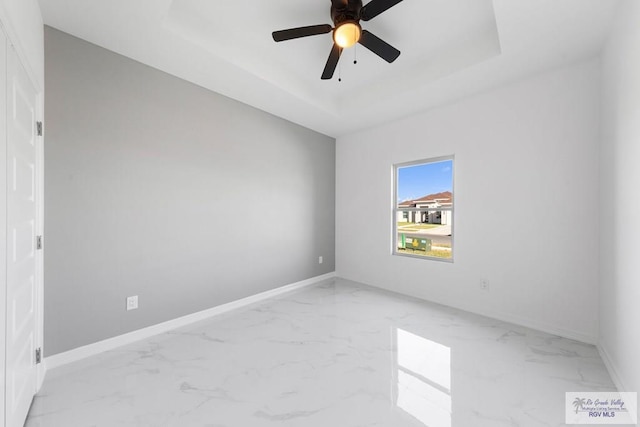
x=445 y=197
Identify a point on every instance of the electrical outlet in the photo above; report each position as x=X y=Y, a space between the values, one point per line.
x=484 y=285
x=320 y=260
x=132 y=302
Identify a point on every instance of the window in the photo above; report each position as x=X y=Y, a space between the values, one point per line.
x=423 y=209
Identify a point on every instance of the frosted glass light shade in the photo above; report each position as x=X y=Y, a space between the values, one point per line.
x=347 y=34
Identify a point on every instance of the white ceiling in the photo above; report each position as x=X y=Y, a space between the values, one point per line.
x=450 y=49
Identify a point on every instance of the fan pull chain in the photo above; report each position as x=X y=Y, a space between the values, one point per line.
x=355 y=54
x=339 y=72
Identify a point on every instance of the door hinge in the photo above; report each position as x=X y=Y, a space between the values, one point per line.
x=38 y=242
x=39 y=128
x=38 y=355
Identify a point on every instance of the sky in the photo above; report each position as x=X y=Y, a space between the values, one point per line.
x=421 y=180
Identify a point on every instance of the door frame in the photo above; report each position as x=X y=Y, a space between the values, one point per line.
x=3 y=220
x=39 y=273
x=12 y=40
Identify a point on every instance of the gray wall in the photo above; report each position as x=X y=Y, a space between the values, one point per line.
x=159 y=188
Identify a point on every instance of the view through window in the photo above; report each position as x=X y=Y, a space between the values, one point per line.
x=423 y=213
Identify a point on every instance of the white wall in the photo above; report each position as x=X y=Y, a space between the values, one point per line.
x=620 y=157
x=22 y=22
x=526 y=214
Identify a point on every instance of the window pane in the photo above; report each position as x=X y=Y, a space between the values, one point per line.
x=427 y=185
x=418 y=236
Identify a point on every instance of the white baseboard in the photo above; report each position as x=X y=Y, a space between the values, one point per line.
x=535 y=325
x=83 y=352
x=525 y=321
x=611 y=367
x=502 y=316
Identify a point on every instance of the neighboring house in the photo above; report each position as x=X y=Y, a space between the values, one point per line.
x=432 y=201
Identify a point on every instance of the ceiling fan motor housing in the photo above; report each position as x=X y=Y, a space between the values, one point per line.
x=345 y=10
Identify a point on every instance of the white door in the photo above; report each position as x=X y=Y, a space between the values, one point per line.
x=20 y=379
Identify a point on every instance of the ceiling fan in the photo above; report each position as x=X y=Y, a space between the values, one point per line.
x=346 y=16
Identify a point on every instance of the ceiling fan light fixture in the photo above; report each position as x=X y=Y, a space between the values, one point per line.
x=347 y=34
x=346 y=16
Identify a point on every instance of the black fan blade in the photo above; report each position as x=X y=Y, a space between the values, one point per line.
x=378 y=46
x=296 y=33
x=376 y=7
x=332 y=62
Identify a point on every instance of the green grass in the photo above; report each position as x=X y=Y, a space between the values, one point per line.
x=410 y=226
x=433 y=253
x=442 y=245
x=439 y=254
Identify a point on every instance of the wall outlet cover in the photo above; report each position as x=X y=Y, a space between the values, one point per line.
x=132 y=302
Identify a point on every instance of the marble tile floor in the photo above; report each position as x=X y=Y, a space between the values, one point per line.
x=337 y=354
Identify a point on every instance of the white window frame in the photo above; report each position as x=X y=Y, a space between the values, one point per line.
x=395 y=209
